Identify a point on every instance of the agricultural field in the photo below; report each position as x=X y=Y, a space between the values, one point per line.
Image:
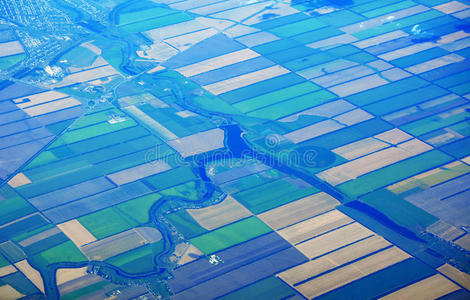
x=215 y=149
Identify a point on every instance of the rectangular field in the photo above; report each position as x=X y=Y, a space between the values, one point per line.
x=32 y=274
x=298 y=210
x=10 y=48
x=430 y=288
x=215 y=216
x=352 y=272
x=76 y=232
x=334 y=240
x=138 y=172
x=230 y=235
x=113 y=245
x=372 y=162
x=309 y=228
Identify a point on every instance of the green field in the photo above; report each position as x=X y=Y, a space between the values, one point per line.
x=138 y=260
x=171 y=178
x=139 y=208
x=3 y=261
x=85 y=173
x=252 y=181
x=431 y=123
x=276 y=96
x=66 y=252
x=46 y=243
x=399 y=210
x=185 y=224
x=271 y=288
x=22 y=226
x=271 y=195
x=30 y=233
x=9 y=61
x=13 y=206
x=107 y=222
x=186 y=190
x=95 y=117
x=20 y=283
x=230 y=235
x=293 y=105
x=393 y=173
x=140 y=15
x=88 y=145
x=298 y=27
x=386 y=91
x=91 y=131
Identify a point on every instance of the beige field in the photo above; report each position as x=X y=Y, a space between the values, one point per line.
x=245 y=79
x=464 y=242
x=353 y=117
x=394 y=136
x=156 y=69
x=372 y=162
x=430 y=288
x=39 y=98
x=19 y=180
x=88 y=75
x=315 y=226
x=335 y=40
x=334 y=259
x=314 y=130
x=372 y=144
x=9 y=293
x=333 y=240
x=360 y=148
x=187 y=253
x=217 y=62
x=11 y=48
x=32 y=274
x=380 y=39
x=113 y=245
x=444 y=230
x=158 y=51
x=165 y=32
x=455 y=274
x=298 y=210
x=358 y=85
x=4 y=271
x=329 y=109
x=199 y=142
x=215 y=216
x=185 y=41
x=435 y=63
x=352 y=272
x=51 y=106
x=76 y=232
x=406 y=51
x=466 y=159
x=451 y=7
x=66 y=275
x=139 y=172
